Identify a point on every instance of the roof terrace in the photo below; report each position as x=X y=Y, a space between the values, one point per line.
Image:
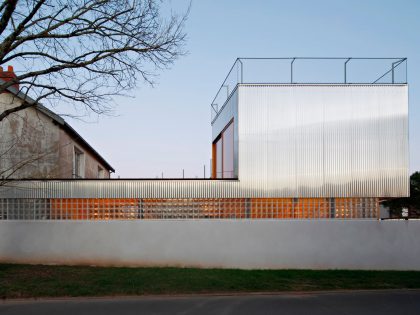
x=309 y=70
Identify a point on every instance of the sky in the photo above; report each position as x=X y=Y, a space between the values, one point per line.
x=166 y=128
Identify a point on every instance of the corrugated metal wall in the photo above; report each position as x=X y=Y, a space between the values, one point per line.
x=323 y=140
x=291 y=141
x=158 y=188
x=228 y=112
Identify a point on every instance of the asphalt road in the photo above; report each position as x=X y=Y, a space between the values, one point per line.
x=359 y=302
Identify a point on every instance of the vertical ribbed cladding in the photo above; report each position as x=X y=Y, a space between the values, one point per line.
x=253 y=138
x=323 y=140
x=309 y=145
x=292 y=141
x=122 y=189
x=228 y=112
x=405 y=143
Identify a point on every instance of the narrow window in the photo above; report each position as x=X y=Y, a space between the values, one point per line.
x=78 y=164
x=101 y=172
x=223 y=154
x=219 y=158
x=228 y=152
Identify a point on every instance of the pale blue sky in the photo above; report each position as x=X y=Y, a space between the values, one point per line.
x=167 y=128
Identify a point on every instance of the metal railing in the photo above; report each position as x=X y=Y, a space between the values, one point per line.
x=310 y=70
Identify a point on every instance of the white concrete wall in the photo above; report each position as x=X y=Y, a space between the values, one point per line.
x=364 y=244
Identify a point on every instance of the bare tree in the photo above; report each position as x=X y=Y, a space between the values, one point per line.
x=80 y=53
x=83 y=52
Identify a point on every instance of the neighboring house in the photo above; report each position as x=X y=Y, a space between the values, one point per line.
x=35 y=143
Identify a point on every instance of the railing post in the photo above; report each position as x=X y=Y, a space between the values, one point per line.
x=345 y=70
x=242 y=70
x=291 y=70
x=227 y=90
x=392 y=71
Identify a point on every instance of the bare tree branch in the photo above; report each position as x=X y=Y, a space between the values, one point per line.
x=85 y=51
x=8 y=7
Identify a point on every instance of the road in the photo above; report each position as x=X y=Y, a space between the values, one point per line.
x=356 y=302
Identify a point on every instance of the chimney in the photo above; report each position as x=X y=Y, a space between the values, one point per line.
x=9 y=75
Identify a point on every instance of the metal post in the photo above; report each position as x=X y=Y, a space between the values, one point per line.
x=227 y=90
x=204 y=170
x=393 y=66
x=242 y=70
x=345 y=70
x=183 y=173
x=291 y=70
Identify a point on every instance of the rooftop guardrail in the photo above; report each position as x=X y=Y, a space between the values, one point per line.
x=310 y=70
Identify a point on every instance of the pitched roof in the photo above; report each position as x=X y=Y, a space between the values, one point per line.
x=59 y=121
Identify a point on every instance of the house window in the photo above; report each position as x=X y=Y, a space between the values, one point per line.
x=223 y=154
x=228 y=152
x=78 y=164
x=101 y=172
x=219 y=157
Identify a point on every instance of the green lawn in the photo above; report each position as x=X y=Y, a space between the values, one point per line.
x=19 y=281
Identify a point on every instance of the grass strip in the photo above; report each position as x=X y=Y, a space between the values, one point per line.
x=26 y=281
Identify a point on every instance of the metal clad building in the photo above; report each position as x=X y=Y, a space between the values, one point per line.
x=320 y=140
x=278 y=151
x=291 y=141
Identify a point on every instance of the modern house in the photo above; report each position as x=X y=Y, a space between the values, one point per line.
x=284 y=149
x=36 y=143
x=325 y=150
